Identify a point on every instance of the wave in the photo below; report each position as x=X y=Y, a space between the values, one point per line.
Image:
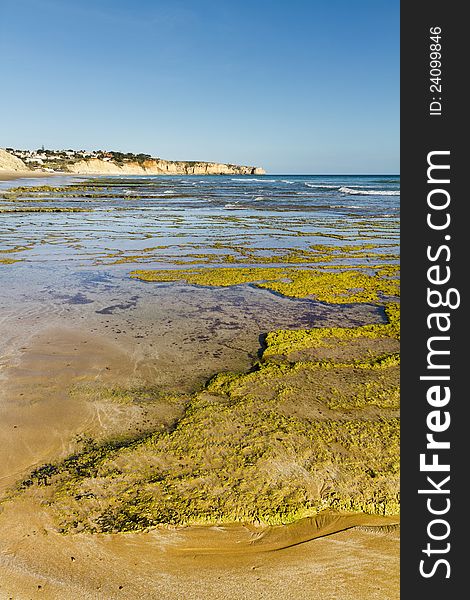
x=348 y=206
x=360 y=192
x=322 y=186
x=253 y=179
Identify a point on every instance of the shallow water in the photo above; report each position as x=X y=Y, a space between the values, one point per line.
x=71 y=315
x=73 y=268
x=182 y=334
x=169 y=217
x=71 y=284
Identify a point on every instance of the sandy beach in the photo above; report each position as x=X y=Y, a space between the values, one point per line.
x=317 y=558
x=200 y=300
x=350 y=564
x=9 y=175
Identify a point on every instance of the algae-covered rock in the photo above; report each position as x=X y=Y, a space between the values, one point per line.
x=339 y=287
x=284 y=441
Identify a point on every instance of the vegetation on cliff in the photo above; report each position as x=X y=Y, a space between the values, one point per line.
x=109 y=161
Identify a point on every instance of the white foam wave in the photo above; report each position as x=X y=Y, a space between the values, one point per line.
x=322 y=186
x=252 y=179
x=359 y=192
x=348 y=206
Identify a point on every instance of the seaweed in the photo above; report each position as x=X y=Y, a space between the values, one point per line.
x=283 y=441
x=338 y=287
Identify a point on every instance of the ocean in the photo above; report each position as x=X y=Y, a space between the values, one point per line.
x=168 y=217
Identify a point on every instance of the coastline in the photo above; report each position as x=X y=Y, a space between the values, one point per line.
x=10 y=175
x=111 y=163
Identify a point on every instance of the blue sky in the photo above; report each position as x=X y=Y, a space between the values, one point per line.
x=299 y=86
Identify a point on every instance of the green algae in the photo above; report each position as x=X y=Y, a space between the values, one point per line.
x=281 y=442
x=372 y=394
x=120 y=395
x=196 y=474
x=339 y=287
x=15 y=249
x=225 y=239
x=4 y=260
x=313 y=425
x=44 y=209
x=9 y=261
x=286 y=342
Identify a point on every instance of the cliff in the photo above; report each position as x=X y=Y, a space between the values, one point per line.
x=10 y=163
x=112 y=163
x=157 y=166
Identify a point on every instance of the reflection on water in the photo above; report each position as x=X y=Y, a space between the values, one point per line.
x=181 y=334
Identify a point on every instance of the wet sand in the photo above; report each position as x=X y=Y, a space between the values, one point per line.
x=69 y=326
x=321 y=557
x=115 y=332
x=38 y=416
x=349 y=565
x=40 y=419
x=9 y=175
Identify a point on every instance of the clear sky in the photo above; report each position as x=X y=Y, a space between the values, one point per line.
x=295 y=86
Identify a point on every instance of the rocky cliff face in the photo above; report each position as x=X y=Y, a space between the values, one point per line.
x=160 y=167
x=152 y=166
x=10 y=163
